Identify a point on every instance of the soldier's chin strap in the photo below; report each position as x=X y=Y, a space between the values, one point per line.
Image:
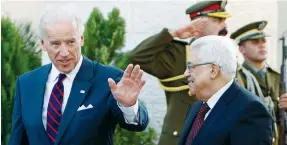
x=175 y=89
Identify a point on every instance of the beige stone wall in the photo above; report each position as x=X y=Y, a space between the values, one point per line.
x=29 y=11
x=144 y=18
x=282 y=27
x=245 y=12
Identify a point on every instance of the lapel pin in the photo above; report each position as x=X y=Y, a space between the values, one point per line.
x=82 y=91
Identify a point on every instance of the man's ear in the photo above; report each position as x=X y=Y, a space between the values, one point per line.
x=242 y=49
x=82 y=40
x=214 y=71
x=43 y=45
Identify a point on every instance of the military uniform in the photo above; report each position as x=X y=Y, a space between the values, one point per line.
x=165 y=58
x=264 y=83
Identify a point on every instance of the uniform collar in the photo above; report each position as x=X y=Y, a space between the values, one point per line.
x=254 y=68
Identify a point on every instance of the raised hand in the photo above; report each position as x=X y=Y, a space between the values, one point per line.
x=193 y=29
x=127 y=90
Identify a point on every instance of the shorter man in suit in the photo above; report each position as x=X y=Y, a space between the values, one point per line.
x=226 y=114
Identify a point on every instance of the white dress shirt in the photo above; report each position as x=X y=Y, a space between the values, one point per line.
x=215 y=97
x=130 y=113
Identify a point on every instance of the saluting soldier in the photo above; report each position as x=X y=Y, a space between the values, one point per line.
x=255 y=74
x=164 y=57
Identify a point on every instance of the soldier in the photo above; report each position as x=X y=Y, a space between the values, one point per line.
x=164 y=57
x=255 y=74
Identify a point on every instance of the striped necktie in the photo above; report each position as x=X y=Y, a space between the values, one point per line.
x=54 y=113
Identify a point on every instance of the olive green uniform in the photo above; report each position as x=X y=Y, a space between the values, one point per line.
x=268 y=79
x=163 y=57
x=269 y=86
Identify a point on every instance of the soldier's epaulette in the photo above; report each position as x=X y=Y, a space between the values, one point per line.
x=180 y=42
x=274 y=70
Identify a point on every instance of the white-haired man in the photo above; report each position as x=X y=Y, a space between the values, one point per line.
x=222 y=115
x=74 y=101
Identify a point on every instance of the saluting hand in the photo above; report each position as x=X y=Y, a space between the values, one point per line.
x=127 y=90
x=193 y=29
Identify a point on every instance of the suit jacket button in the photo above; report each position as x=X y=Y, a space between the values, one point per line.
x=175 y=133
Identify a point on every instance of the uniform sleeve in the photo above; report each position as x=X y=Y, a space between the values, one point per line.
x=159 y=55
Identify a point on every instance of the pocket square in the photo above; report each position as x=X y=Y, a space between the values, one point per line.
x=84 y=108
x=90 y=106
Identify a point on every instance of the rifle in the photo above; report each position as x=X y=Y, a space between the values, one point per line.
x=283 y=90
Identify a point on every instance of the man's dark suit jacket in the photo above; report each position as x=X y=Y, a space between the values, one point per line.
x=238 y=118
x=87 y=127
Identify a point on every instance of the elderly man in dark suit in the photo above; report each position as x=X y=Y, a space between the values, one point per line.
x=226 y=114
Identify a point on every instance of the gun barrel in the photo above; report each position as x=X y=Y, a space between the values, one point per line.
x=283 y=90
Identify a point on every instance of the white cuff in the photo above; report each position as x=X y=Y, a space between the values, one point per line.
x=130 y=113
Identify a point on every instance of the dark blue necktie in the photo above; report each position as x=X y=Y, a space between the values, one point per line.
x=54 y=113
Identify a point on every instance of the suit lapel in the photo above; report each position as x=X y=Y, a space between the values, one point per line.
x=38 y=87
x=189 y=120
x=217 y=112
x=79 y=91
